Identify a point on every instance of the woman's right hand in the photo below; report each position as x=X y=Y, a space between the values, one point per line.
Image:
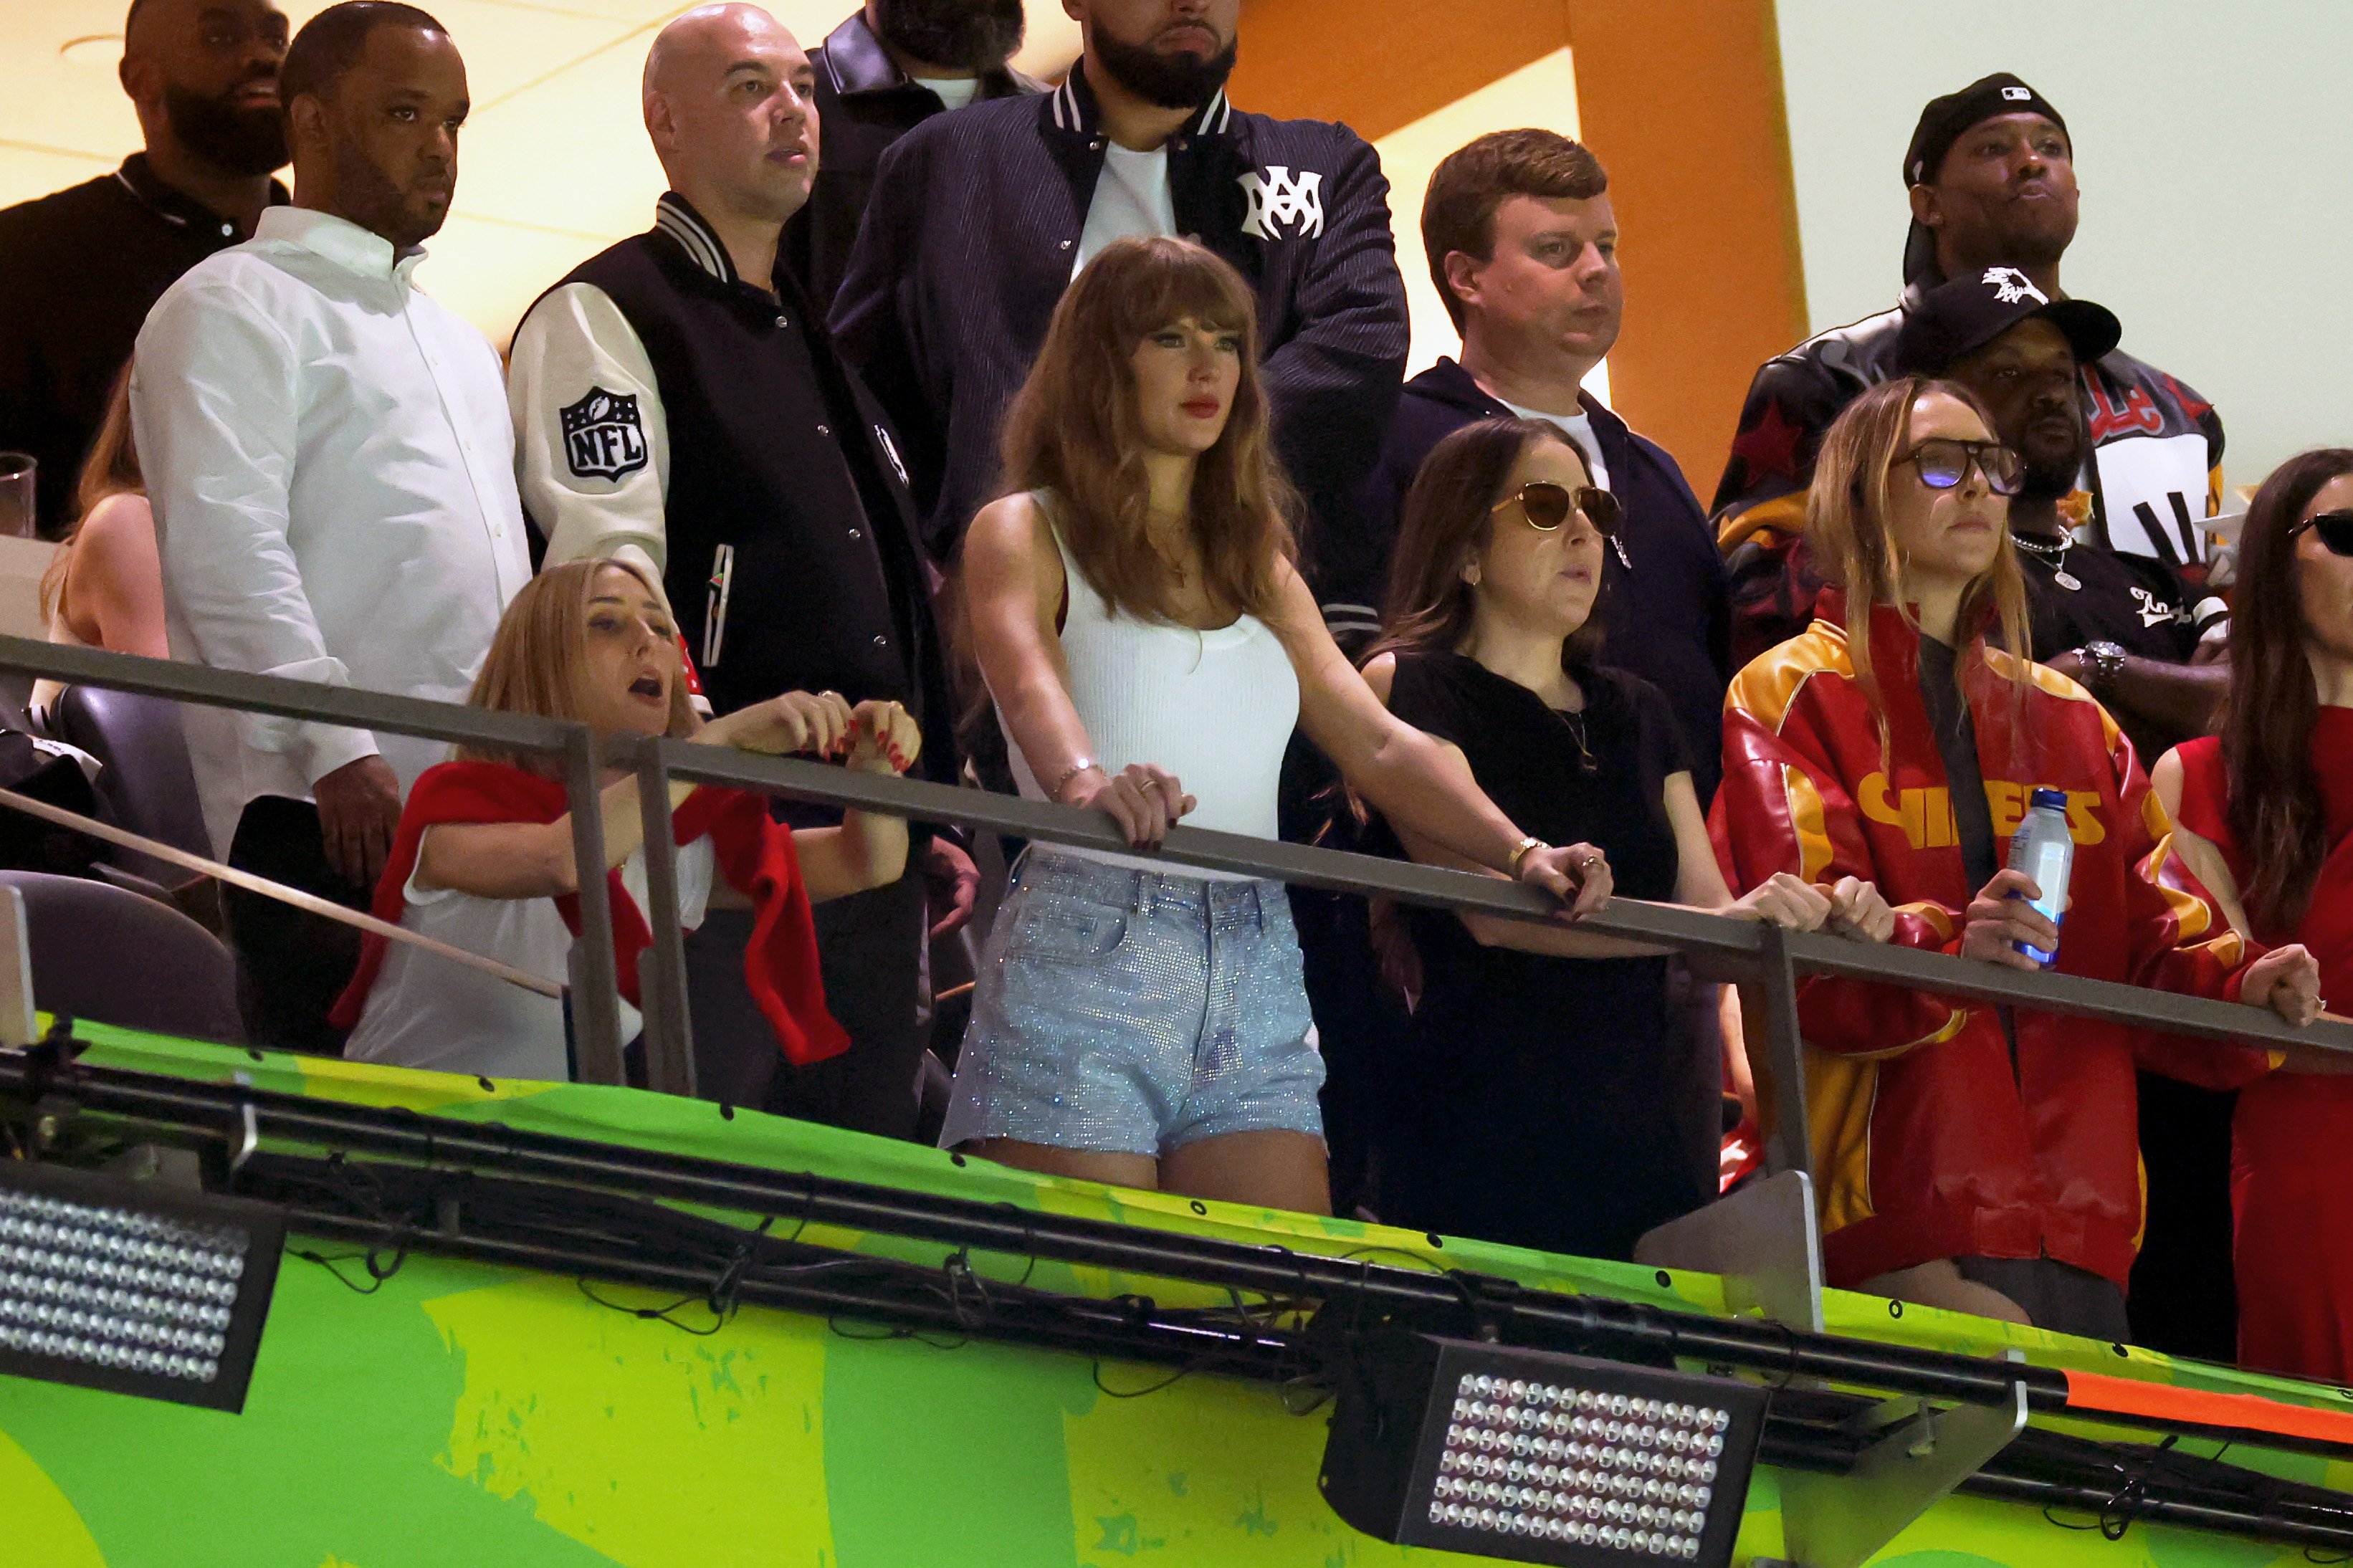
x=1145 y=799
x=819 y=722
x=2000 y=918
x=1786 y=900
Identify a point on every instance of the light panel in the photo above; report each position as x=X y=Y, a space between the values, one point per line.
x=125 y=1285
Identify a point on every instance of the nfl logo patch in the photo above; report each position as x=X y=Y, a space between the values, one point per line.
x=603 y=436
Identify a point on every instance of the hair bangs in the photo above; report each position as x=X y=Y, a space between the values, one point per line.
x=1172 y=284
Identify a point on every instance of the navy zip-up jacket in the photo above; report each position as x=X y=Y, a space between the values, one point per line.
x=1665 y=613
x=968 y=241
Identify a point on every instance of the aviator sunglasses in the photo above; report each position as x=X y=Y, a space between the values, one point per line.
x=1546 y=506
x=1943 y=463
x=2334 y=528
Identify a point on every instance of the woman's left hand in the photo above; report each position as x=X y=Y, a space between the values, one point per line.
x=883 y=738
x=1575 y=874
x=1859 y=911
x=2287 y=980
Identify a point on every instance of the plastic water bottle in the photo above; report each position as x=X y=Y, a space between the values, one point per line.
x=2044 y=849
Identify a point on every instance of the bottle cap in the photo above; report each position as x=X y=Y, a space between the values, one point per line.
x=2054 y=798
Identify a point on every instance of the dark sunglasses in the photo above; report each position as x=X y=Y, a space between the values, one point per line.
x=2334 y=528
x=1942 y=464
x=1546 y=506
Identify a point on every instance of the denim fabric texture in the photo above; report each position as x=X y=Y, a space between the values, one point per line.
x=1132 y=1012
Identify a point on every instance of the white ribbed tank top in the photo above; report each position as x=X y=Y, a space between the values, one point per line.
x=1214 y=707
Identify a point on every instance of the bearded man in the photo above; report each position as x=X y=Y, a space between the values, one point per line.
x=79 y=268
x=980 y=218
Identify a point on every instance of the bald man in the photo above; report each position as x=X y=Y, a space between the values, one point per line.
x=79 y=268
x=679 y=405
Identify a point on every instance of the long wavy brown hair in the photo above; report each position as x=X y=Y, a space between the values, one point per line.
x=1846 y=529
x=2276 y=812
x=535 y=665
x=1448 y=518
x=111 y=470
x=1073 y=429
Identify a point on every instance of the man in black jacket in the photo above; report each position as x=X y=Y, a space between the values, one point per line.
x=885 y=70
x=1991 y=174
x=678 y=405
x=980 y=218
x=80 y=268
x=1523 y=247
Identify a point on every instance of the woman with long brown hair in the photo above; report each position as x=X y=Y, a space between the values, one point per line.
x=1150 y=646
x=1968 y=1157
x=105 y=588
x=483 y=856
x=2266 y=823
x=1537 y=1097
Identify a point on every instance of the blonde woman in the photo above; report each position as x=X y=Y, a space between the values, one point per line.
x=483 y=859
x=105 y=588
x=1969 y=1157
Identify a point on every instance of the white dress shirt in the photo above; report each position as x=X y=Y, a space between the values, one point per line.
x=331 y=467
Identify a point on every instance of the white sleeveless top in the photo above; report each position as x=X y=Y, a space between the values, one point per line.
x=1214 y=707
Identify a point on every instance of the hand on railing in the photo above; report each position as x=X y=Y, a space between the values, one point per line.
x=883 y=738
x=1577 y=874
x=1782 y=900
x=818 y=723
x=1145 y=799
x=2287 y=980
x=1859 y=911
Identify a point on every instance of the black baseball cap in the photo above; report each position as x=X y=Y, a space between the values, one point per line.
x=1956 y=319
x=1945 y=121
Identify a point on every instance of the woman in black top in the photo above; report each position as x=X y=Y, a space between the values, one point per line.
x=1534 y=1099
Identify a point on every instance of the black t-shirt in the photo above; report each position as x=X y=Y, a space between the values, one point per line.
x=1536 y=1102
x=78 y=270
x=2139 y=604
x=1957 y=741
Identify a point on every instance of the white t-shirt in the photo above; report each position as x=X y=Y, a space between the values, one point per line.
x=426 y=1012
x=954 y=91
x=1131 y=198
x=1579 y=425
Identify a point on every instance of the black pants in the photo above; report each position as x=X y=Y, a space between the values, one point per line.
x=291 y=965
x=2056 y=1296
x=870 y=950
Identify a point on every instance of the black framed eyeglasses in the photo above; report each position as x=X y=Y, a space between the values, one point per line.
x=1943 y=463
x=2334 y=528
x=1546 y=506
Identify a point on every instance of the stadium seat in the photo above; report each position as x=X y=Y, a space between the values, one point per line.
x=147 y=786
x=182 y=981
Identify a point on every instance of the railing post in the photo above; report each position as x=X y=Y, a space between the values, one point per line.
x=596 y=1004
x=1790 y=1147
x=661 y=973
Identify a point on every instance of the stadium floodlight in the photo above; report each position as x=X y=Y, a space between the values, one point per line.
x=1498 y=1452
x=133 y=1286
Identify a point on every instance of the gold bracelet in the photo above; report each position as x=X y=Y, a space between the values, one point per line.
x=1520 y=853
x=1073 y=770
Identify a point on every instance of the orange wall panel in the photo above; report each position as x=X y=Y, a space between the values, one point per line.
x=1380 y=64
x=1682 y=102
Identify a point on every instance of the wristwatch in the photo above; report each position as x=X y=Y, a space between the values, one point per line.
x=2103 y=662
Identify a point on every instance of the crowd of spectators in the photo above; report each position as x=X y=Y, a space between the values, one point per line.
x=1076 y=412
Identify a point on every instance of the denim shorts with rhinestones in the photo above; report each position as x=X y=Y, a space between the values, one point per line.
x=1130 y=1011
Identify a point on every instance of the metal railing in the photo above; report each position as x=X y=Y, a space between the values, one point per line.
x=1718 y=948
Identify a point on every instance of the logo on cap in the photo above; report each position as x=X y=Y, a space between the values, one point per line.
x=2015 y=95
x=2011 y=286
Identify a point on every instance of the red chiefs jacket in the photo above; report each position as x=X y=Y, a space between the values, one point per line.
x=1929 y=1139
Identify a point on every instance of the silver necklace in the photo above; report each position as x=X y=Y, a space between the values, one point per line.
x=2042 y=549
